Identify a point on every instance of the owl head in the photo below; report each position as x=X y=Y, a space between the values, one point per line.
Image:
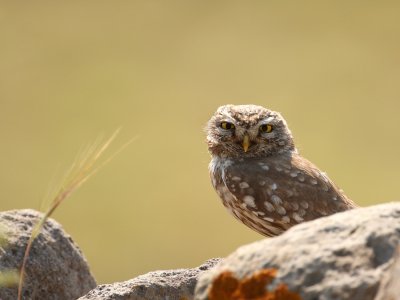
x=247 y=131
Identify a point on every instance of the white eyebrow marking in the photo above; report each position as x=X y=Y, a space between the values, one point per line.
x=267 y=120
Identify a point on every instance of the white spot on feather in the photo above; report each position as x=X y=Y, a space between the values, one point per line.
x=304 y=204
x=281 y=210
x=302 y=212
x=249 y=200
x=297 y=217
x=244 y=185
x=269 y=206
x=276 y=200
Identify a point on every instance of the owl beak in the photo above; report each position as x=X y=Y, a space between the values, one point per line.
x=246 y=143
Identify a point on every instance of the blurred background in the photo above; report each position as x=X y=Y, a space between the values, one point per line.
x=74 y=70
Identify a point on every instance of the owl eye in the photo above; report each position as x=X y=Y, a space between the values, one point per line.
x=227 y=125
x=266 y=128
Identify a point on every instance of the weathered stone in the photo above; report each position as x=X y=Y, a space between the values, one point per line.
x=159 y=285
x=56 y=268
x=343 y=256
x=390 y=285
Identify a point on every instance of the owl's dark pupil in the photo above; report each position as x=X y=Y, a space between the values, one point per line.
x=266 y=128
x=227 y=125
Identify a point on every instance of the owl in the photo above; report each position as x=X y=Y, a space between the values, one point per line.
x=259 y=175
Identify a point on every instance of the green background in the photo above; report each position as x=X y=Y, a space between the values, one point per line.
x=73 y=70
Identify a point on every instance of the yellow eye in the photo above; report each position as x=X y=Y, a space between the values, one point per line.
x=266 y=128
x=227 y=125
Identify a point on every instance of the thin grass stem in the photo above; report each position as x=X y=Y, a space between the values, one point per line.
x=83 y=168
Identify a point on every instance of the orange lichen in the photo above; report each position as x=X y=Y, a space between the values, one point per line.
x=254 y=286
x=227 y=287
x=282 y=293
x=223 y=287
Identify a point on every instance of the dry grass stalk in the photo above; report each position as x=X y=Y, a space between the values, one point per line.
x=81 y=170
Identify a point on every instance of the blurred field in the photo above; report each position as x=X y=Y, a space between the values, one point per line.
x=71 y=71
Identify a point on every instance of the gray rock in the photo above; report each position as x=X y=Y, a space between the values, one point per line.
x=56 y=268
x=159 y=285
x=343 y=256
x=390 y=284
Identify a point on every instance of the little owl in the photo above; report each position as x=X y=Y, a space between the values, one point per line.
x=259 y=174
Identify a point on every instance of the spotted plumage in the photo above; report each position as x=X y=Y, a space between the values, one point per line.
x=259 y=175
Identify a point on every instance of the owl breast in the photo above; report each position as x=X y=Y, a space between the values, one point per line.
x=241 y=207
x=271 y=194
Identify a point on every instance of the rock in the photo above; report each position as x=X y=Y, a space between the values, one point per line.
x=56 y=268
x=159 y=285
x=343 y=256
x=390 y=285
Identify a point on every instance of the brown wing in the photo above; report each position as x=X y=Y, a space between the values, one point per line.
x=287 y=189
